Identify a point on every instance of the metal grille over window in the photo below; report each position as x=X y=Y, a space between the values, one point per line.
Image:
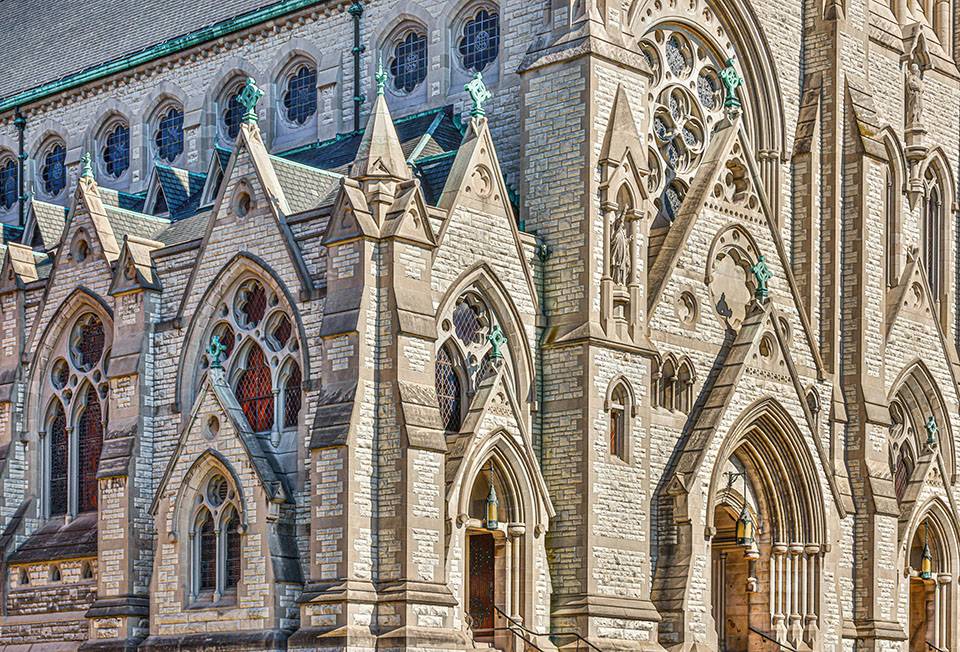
x=116 y=151
x=88 y=342
x=480 y=41
x=408 y=67
x=90 y=442
x=466 y=321
x=208 y=555
x=59 y=452
x=300 y=99
x=292 y=398
x=448 y=391
x=255 y=392
x=53 y=173
x=252 y=303
x=8 y=184
x=233 y=113
x=169 y=136
x=232 y=549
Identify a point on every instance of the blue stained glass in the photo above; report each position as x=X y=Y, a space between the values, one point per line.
x=233 y=113
x=54 y=171
x=8 y=184
x=300 y=100
x=116 y=151
x=480 y=42
x=169 y=136
x=409 y=64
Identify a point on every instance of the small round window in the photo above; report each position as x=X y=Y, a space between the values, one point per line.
x=217 y=490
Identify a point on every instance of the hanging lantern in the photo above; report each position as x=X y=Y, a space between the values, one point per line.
x=745 y=529
x=493 y=506
x=926 y=559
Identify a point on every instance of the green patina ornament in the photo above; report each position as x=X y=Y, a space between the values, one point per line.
x=497 y=339
x=761 y=274
x=248 y=98
x=479 y=93
x=216 y=351
x=932 y=431
x=731 y=82
x=86 y=166
x=381 y=76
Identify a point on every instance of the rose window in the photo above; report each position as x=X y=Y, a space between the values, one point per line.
x=688 y=103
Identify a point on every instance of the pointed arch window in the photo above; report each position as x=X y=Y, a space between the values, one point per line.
x=292 y=397
x=673 y=385
x=53 y=170
x=300 y=97
x=892 y=213
x=76 y=382
x=59 y=460
x=408 y=61
x=933 y=233
x=217 y=541
x=620 y=412
x=480 y=40
x=448 y=391
x=90 y=443
x=8 y=183
x=232 y=112
x=115 y=152
x=255 y=391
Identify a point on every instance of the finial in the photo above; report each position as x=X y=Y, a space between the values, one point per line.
x=932 y=431
x=479 y=93
x=761 y=274
x=215 y=351
x=381 y=76
x=731 y=82
x=86 y=166
x=497 y=339
x=356 y=8
x=248 y=98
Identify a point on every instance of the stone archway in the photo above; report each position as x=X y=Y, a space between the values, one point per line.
x=931 y=587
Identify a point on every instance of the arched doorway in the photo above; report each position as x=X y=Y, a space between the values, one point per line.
x=931 y=595
x=766 y=534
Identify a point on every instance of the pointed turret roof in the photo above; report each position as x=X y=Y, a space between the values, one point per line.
x=380 y=154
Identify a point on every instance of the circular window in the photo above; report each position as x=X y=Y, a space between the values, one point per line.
x=217 y=490
x=87 y=342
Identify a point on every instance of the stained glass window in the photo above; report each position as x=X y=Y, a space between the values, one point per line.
x=8 y=184
x=280 y=331
x=251 y=303
x=618 y=422
x=408 y=67
x=59 y=461
x=292 y=397
x=466 y=321
x=227 y=339
x=207 y=572
x=233 y=113
x=116 y=151
x=902 y=472
x=480 y=41
x=169 y=136
x=300 y=99
x=448 y=391
x=87 y=342
x=255 y=392
x=90 y=442
x=53 y=172
x=232 y=550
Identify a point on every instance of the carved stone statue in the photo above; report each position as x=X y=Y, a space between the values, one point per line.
x=620 y=249
x=914 y=95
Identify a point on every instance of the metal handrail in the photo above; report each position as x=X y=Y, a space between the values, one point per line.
x=541 y=635
x=934 y=647
x=771 y=639
x=517 y=626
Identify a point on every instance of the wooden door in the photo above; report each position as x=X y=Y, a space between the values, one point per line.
x=481 y=581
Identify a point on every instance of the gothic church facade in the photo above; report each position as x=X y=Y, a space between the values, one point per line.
x=480 y=324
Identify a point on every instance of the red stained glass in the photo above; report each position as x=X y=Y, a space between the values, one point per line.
x=255 y=392
x=208 y=555
x=58 y=462
x=89 y=342
x=232 y=548
x=281 y=332
x=90 y=440
x=253 y=303
x=292 y=398
x=227 y=339
x=448 y=391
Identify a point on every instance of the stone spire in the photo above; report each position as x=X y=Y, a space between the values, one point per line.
x=380 y=155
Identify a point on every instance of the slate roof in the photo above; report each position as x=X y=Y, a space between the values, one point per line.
x=182 y=190
x=126 y=222
x=12 y=233
x=185 y=230
x=50 y=219
x=122 y=199
x=305 y=187
x=117 y=32
x=53 y=541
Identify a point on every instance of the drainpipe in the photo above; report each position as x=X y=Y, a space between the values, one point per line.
x=543 y=252
x=356 y=10
x=21 y=124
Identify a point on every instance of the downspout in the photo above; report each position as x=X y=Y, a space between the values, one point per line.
x=356 y=10
x=21 y=124
x=543 y=252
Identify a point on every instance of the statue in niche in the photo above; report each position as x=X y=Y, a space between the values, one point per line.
x=914 y=99
x=620 y=249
